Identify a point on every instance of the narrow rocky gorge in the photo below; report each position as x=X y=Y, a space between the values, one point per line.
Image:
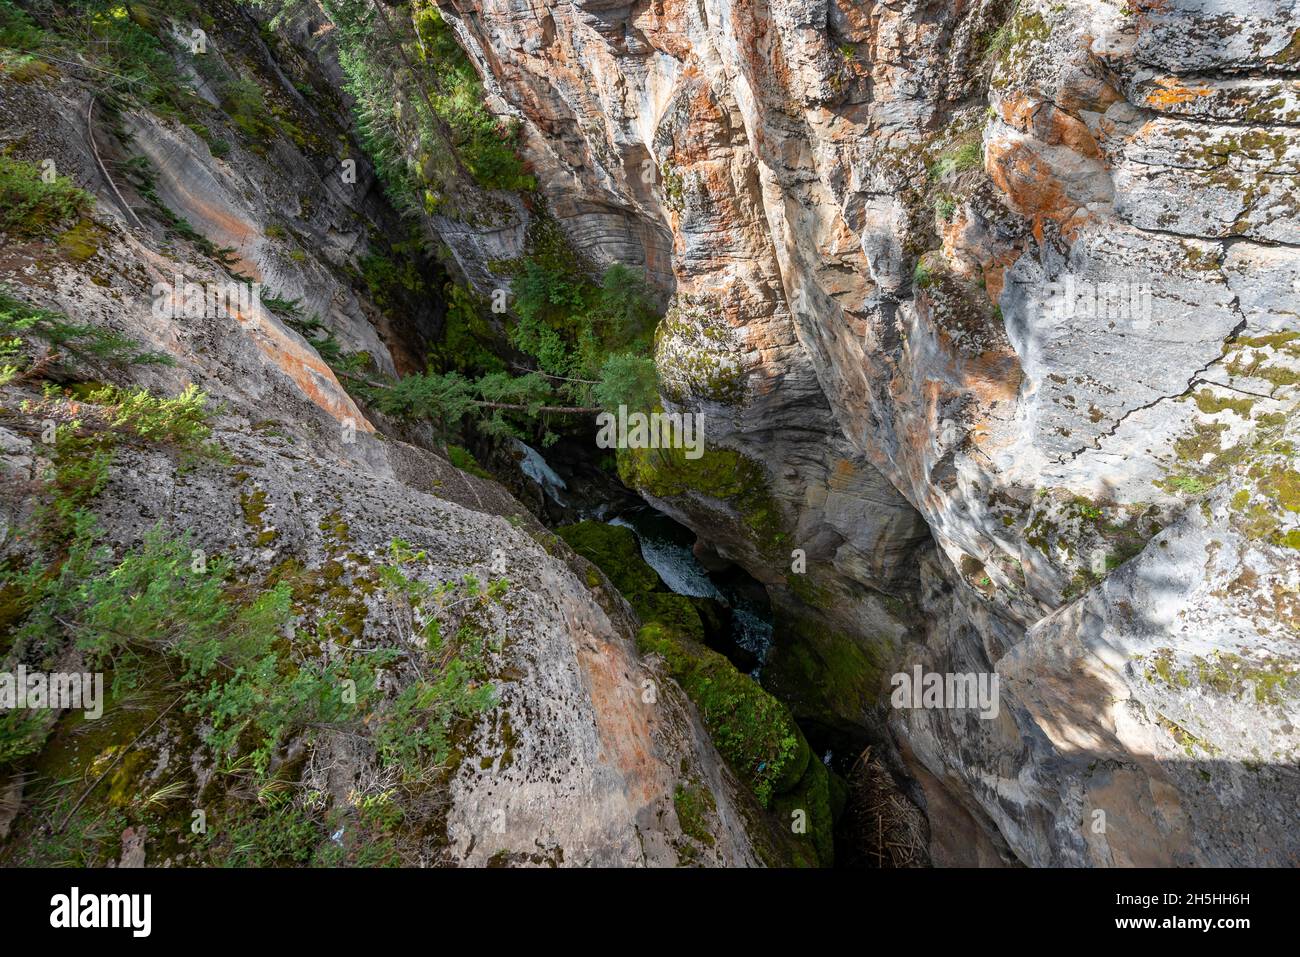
x=989 y=310
x=866 y=207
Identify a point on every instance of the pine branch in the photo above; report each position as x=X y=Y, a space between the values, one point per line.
x=561 y=409
x=559 y=378
x=485 y=404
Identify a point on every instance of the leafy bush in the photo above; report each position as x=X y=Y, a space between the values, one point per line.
x=488 y=147
x=284 y=836
x=571 y=325
x=460 y=127
x=182 y=421
x=162 y=602
x=21 y=733
x=443 y=399
x=83 y=448
x=467 y=338
x=568 y=324
x=31 y=208
x=377 y=126
x=966 y=157
x=390 y=282
x=18 y=31
x=629 y=380
x=21 y=324
x=245 y=103
x=124 y=41
x=414 y=730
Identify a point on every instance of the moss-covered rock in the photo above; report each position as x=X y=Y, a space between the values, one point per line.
x=725 y=475
x=806 y=810
x=698 y=354
x=614 y=550
x=754 y=732
x=822 y=674
x=694 y=805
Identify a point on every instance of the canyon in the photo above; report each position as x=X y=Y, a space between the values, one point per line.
x=869 y=225
x=933 y=432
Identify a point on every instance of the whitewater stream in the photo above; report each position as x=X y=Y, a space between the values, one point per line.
x=666 y=547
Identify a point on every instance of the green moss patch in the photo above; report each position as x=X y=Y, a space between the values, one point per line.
x=753 y=731
x=824 y=675
x=1264 y=681
x=694 y=806
x=614 y=550
x=1209 y=403
x=697 y=353
x=719 y=473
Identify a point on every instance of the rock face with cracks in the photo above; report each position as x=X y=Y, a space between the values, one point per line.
x=990 y=311
x=996 y=304
x=574 y=764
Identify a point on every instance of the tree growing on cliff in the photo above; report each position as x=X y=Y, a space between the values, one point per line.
x=587 y=344
x=499 y=404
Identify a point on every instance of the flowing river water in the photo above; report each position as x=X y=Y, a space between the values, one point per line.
x=744 y=617
x=733 y=605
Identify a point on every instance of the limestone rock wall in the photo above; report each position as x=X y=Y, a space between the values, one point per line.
x=888 y=225
x=575 y=766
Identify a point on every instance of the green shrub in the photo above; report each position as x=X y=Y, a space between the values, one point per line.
x=966 y=157
x=122 y=44
x=160 y=602
x=572 y=326
x=31 y=208
x=23 y=327
x=460 y=129
x=245 y=103
x=467 y=341
x=21 y=733
x=390 y=282
x=18 y=31
x=488 y=147
x=630 y=380
x=181 y=421
x=284 y=836
x=414 y=732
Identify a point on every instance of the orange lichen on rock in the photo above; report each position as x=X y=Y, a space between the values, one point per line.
x=622 y=721
x=973 y=253
x=1028 y=181
x=1050 y=125
x=1171 y=93
x=308 y=371
x=662 y=22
